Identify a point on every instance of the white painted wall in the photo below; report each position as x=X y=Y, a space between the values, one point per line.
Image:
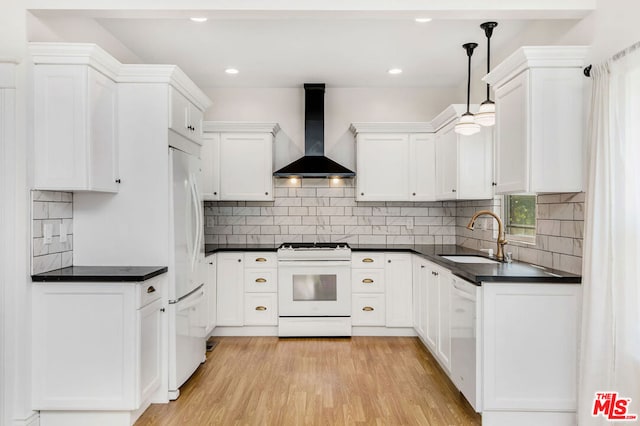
x=80 y=30
x=342 y=107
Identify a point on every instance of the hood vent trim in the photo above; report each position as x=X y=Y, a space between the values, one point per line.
x=314 y=164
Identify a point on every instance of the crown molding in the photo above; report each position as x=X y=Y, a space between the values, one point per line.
x=536 y=57
x=75 y=54
x=392 y=127
x=168 y=74
x=450 y=113
x=94 y=56
x=239 y=127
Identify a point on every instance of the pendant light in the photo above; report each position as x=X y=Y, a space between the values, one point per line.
x=486 y=115
x=466 y=125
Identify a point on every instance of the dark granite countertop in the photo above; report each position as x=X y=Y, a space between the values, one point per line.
x=100 y=274
x=475 y=272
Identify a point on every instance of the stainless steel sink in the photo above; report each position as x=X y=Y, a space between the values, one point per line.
x=468 y=259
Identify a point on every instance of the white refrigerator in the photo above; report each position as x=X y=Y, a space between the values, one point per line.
x=187 y=345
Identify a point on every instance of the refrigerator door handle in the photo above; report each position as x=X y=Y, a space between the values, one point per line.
x=195 y=231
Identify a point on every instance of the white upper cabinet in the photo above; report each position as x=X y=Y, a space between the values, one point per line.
x=395 y=161
x=184 y=117
x=539 y=141
x=422 y=175
x=75 y=122
x=238 y=161
x=464 y=166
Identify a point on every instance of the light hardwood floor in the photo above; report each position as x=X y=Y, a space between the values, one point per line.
x=316 y=381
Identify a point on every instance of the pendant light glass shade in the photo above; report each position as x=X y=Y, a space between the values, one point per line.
x=467 y=125
x=486 y=115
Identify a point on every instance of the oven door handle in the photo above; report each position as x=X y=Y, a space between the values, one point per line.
x=312 y=263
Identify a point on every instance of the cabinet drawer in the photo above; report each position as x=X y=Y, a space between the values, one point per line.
x=260 y=260
x=260 y=309
x=150 y=290
x=367 y=281
x=261 y=280
x=367 y=309
x=367 y=260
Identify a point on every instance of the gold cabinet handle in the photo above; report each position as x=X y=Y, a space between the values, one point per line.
x=367 y=281
x=260 y=259
x=367 y=260
x=261 y=280
x=367 y=309
x=151 y=289
x=261 y=308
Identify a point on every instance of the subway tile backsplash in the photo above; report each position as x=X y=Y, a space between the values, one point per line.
x=54 y=209
x=559 y=231
x=321 y=210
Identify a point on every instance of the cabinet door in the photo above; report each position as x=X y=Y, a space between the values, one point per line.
x=445 y=284
x=210 y=156
x=102 y=128
x=230 y=289
x=446 y=163
x=246 y=166
x=512 y=136
x=382 y=167
x=75 y=125
x=432 y=290
x=399 y=288
x=419 y=295
x=422 y=167
x=212 y=293
x=179 y=113
x=150 y=326
x=195 y=117
x=475 y=165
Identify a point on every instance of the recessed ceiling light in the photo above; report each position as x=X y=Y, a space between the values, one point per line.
x=423 y=20
x=231 y=71
x=395 y=71
x=199 y=19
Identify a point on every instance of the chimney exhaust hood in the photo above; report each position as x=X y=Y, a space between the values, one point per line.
x=314 y=164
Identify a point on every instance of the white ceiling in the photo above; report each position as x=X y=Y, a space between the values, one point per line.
x=282 y=49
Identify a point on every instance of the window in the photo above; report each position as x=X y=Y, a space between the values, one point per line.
x=520 y=216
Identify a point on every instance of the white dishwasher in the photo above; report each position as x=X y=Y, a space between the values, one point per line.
x=465 y=354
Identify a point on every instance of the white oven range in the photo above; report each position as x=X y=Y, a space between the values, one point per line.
x=314 y=289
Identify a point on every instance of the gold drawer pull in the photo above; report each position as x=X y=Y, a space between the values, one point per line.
x=367 y=260
x=367 y=309
x=260 y=259
x=367 y=281
x=151 y=289
x=261 y=308
x=261 y=280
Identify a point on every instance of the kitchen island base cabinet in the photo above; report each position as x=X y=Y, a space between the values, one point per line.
x=530 y=357
x=99 y=346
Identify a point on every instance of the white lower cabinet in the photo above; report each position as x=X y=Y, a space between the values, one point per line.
x=229 y=280
x=367 y=309
x=399 y=290
x=212 y=293
x=530 y=352
x=261 y=309
x=99 y=350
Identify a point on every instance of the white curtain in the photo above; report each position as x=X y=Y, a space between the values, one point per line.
x=610 y=345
